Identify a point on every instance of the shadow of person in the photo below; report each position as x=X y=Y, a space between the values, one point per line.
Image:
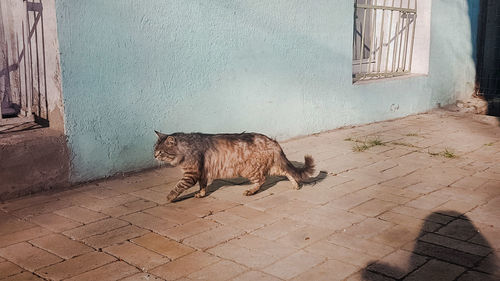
x=454 y=250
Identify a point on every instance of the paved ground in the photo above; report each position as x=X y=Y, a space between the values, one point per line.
x=414 y=199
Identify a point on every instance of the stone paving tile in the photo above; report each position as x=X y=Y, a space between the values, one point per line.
x=456 y=244
x=398 y=264
x=422 y=187
x=373 y=207
x=460 y=194
x=212 y=237
x=248 y=257
x=142 y=277
x=436 y=270
x=317 y=195
x=491 y=187
x=28 y=201
x=101 y=204
x=409 y=221
x=40 y=209
x=27 y=256
x=368 y=228
x=75 y=266
x=487 y=213
x=234 y=193
x=443 y=253
x=114 y=236
x=163 y=245
x=268 y=247
x=128 y=208
x=10 y=224
x=61 y=246
x=102 y=192
x=151 y=195
x=389 y=194
x=23 y=235
x=150 y=222
x=54 y=222
x=255 y=275
x=202 y=207
x=184 y=266
x=329 y=270
x=95 y=228
x=80 y=214
x=443 y=218
x=487 y=236
x=171 y=214
x=469 y=182
x=253 y=214
x=8 y=269
x=339 y=253
x=136 y=255
x=293 y=265
x=222 y=270
x=326 y=217
x=349 y=201
x=290 y=208
x=189 y=229
x=364 y=275
x=361 y=245
x=397 y=236
x=229 y=219
x=474 y=276
x=489 y=265
x=278 y=229
x=304 y=236
x=459 y=229
x=269 y=202
x=112 y=271
x=76 y=197
x=25 y=276
x=461 y=207
x=427 y=202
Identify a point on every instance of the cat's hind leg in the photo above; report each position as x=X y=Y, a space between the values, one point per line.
x=258 y=182
x=293 y=181
x=203 y=188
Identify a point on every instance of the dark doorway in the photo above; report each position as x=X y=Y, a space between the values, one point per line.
x=488 y=55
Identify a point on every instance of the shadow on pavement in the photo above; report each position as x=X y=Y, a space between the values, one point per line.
x=455 y=250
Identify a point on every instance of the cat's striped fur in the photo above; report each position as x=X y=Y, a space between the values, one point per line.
x=206 y=157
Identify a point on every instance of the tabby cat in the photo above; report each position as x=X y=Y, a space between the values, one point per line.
x=206 y=157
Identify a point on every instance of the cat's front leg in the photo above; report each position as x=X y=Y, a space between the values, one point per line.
x=187 y=181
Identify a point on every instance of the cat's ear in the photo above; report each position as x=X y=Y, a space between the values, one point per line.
x=170 y=140
x=160 y=135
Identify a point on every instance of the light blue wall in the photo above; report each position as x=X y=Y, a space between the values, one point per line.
x=278 y=67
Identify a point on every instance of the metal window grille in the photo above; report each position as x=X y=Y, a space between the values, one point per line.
x=383 y=39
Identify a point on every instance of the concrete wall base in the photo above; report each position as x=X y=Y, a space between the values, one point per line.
x=32 y=161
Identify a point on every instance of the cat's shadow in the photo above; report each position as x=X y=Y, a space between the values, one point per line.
x=270 y=182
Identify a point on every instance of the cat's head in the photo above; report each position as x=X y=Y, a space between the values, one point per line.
x=166 y=149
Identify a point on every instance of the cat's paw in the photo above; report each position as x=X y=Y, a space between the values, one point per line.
x=200 y=194
x=248 y=192
x=171 y=197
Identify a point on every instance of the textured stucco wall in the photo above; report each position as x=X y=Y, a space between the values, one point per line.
x=278 y=67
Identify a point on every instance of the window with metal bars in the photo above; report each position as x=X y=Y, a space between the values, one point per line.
x=383 y=39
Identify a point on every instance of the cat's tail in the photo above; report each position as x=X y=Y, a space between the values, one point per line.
x=299 y=173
